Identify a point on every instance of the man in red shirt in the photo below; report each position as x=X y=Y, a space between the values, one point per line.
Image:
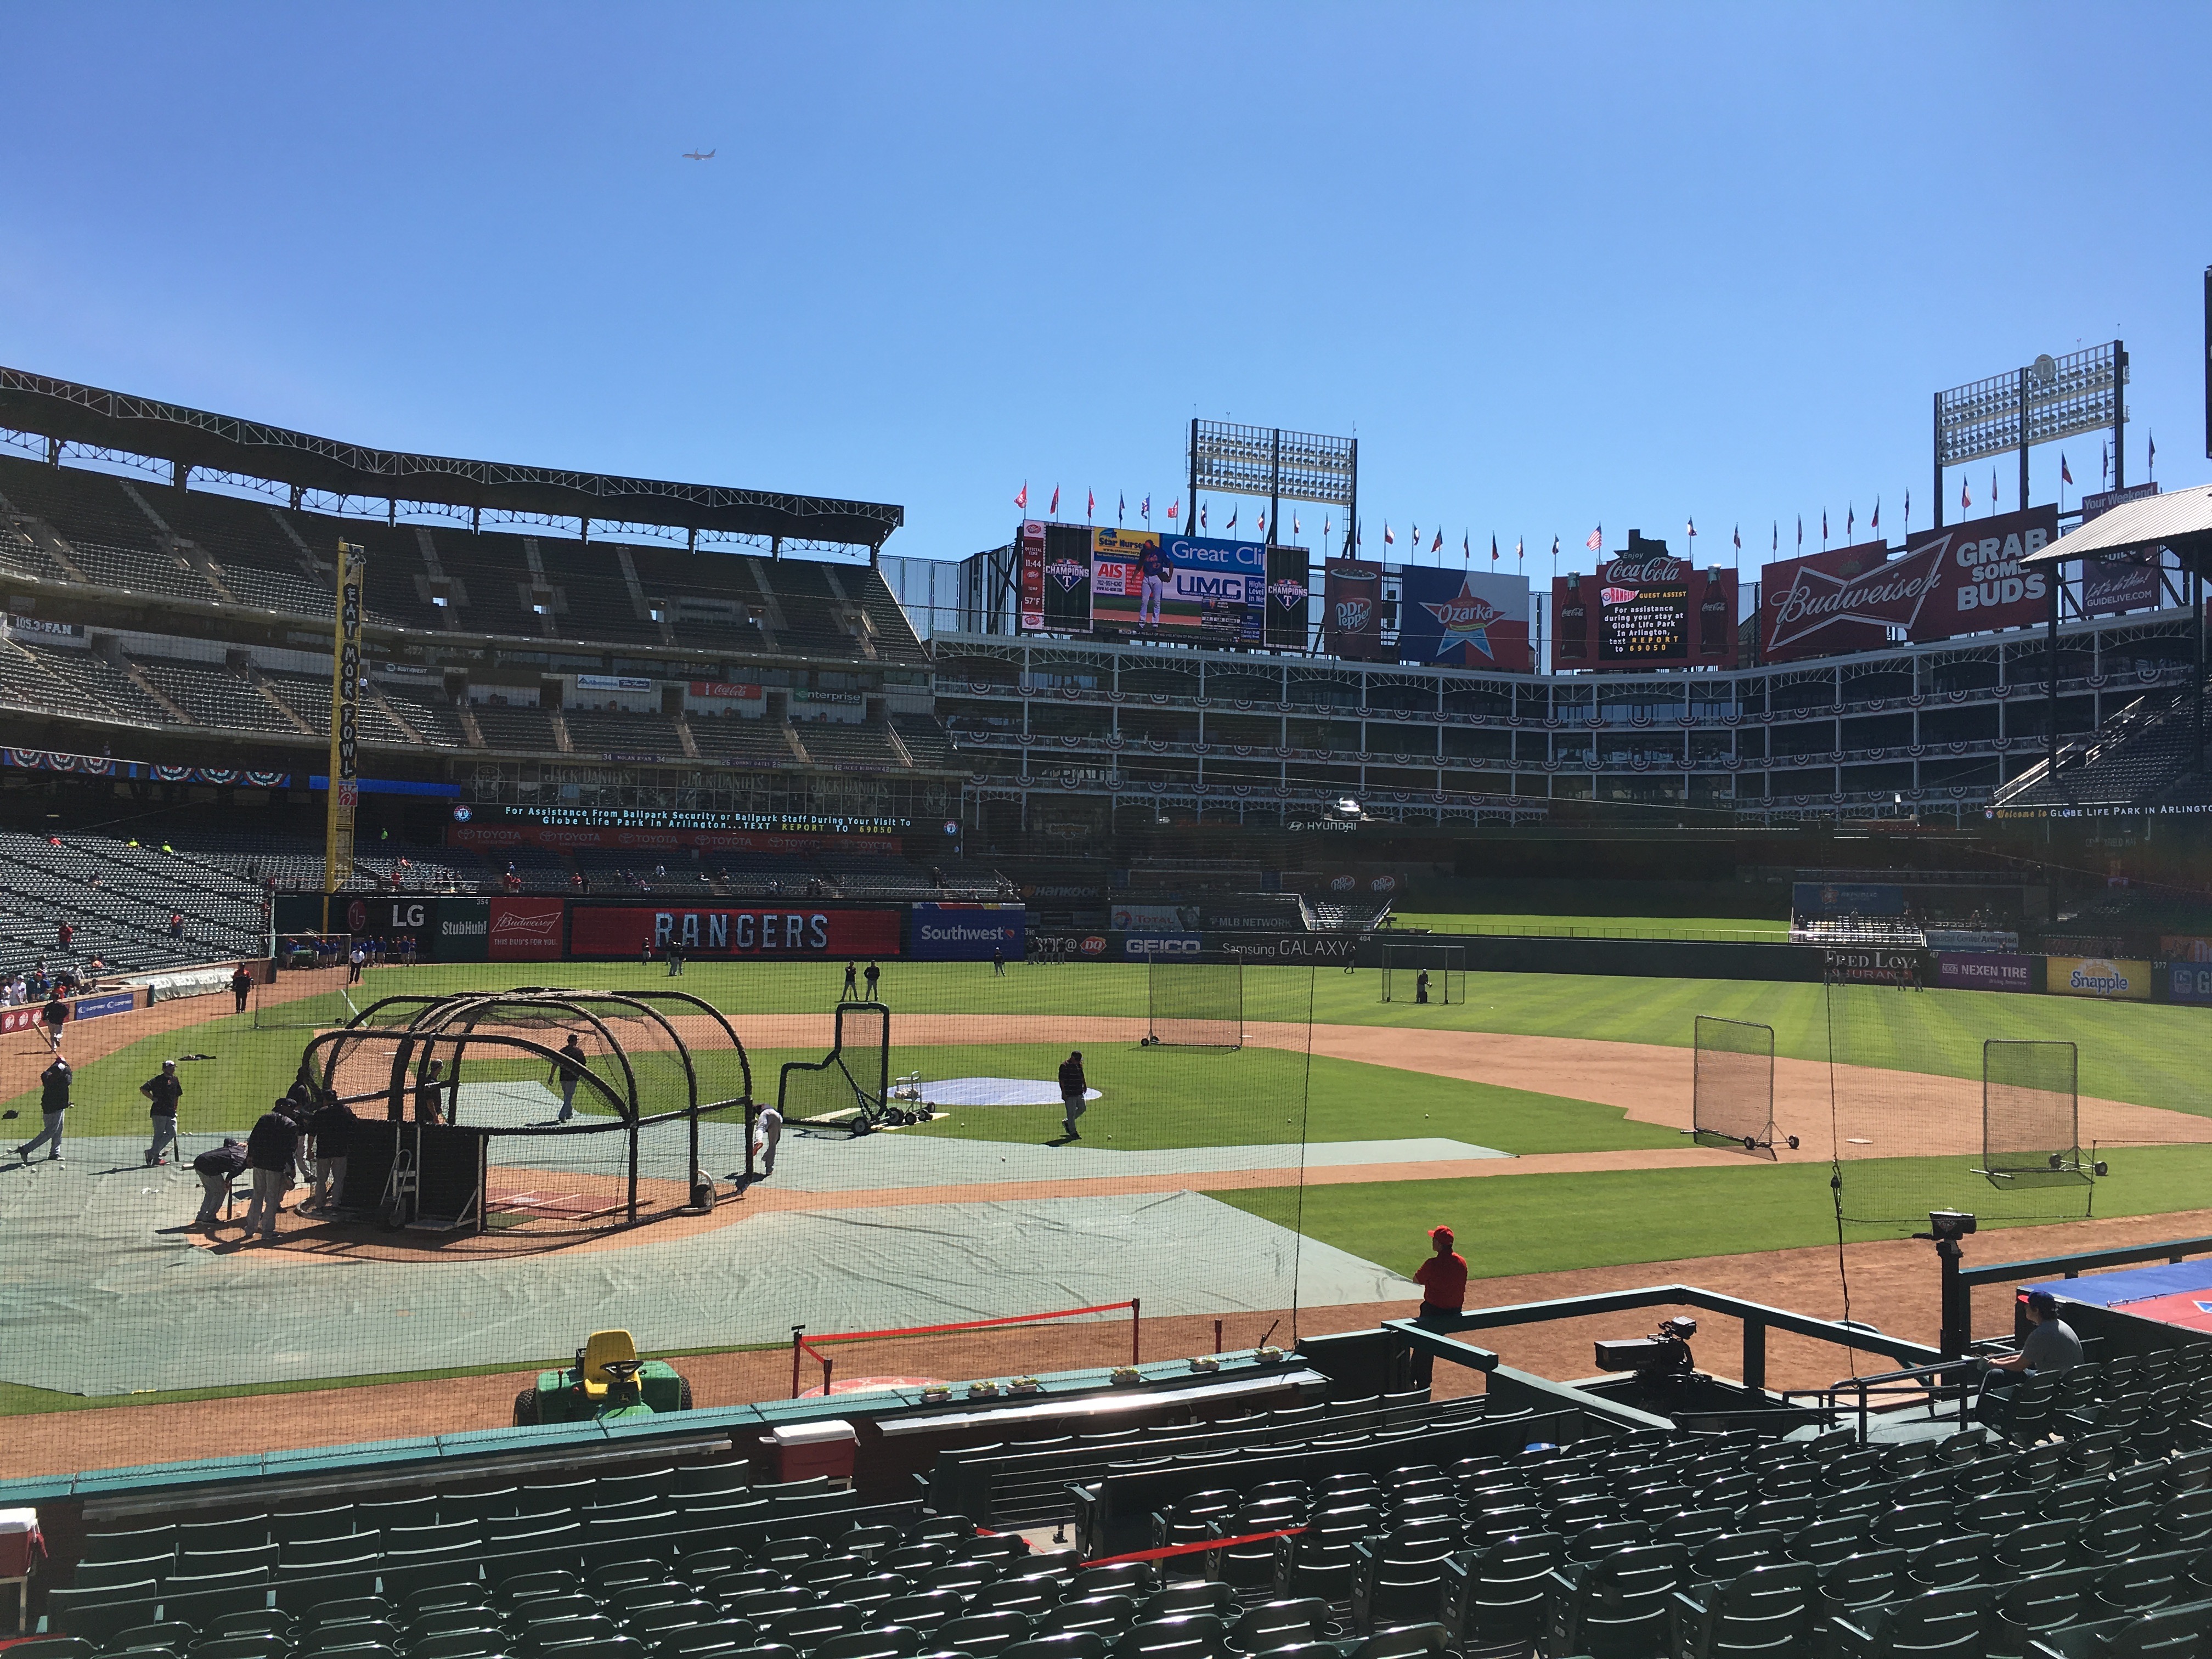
x=1443 y=1279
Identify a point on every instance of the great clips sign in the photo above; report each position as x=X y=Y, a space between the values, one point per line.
x=717 y=931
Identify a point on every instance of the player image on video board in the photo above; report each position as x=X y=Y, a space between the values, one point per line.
x=1142 y=582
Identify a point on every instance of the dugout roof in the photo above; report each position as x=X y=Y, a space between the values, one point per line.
x=2181 y=521
x=193 y=438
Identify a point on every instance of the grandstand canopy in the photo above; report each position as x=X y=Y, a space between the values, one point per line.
x=2182 y=521
x=64 y=411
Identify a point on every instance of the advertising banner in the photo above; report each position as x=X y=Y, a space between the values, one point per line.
x=2098 y=502
x=732 y=690
x=1985 y=970
x=1871 y=965
x=1029 y=581
x=108 y=1002
x=1644 y=609
x=1071 y=947
x=2185 y=947
x=463 y=931
x=1844 y=599
x=395 y=918
x=1289 y=598
x=584 y=838
x=526 y=929
x=1981 y=586
x=2121 y=582
x=708 y=931
x=1352 y=601
x=2189 y=981
x=1154 y=919
x=1146 y=947
x=1331 y=950
x=1463 y=618
x=2119 y=979
x=1827 y=900
x=967 y=933
x=1144 y=582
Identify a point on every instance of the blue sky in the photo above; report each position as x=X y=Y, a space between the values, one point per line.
x=1554 y=265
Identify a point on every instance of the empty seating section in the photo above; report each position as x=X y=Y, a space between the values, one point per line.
x=103 y=690
x=218 y=697
x=924 y=738
x=677 y=1560
x=271 y=558
x=515 y=727
x=429 y=711
x=832 y=744
x=600 y=732
x=735 y=737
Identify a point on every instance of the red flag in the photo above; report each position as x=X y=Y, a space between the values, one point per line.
x=1090 y=505
x=1874 y=523
x=1263 y=524
x=2065 y=472
x=1966 y=497
x=1436 y=546
x=1596 y=539
x=1175 y=506
x=1233 y=511
x=1054 y=508
x=1493 y=547
x=1022 y=500
x=1389 y=540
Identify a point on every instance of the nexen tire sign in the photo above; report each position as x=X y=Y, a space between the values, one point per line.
x=714 y=931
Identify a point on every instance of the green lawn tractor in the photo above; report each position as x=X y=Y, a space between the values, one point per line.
x=608 y=1380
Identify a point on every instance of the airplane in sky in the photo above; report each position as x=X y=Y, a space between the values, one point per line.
x=699 y=156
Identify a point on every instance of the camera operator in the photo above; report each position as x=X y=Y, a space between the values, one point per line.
x=2051 y=1346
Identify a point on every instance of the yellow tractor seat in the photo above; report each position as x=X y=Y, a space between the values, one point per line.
x=608 y=1361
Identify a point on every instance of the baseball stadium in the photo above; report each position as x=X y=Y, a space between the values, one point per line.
x=602 y=1064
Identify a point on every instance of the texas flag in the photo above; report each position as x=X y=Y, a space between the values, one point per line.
x=2065 y=472
x=1388 y=539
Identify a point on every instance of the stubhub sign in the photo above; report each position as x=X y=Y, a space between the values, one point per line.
x=968 y=933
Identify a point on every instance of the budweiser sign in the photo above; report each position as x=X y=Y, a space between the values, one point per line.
x=1843 y=601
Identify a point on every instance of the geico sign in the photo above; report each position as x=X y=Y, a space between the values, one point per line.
x=1160 y=944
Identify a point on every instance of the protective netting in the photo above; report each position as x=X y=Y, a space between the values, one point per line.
x=1038 y=1153
x=314 y=986
x=1733 y=1094
x=850 y=1085
x=1194 y=1005
x=1425 y=974
x=2031 y=1114
x=1906 y=1100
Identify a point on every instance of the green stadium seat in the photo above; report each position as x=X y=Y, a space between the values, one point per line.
x=56 y=1647
x=300 y=1587
x=138 y=1545
x=648 y=1624
x=702 y=1479
x=1061 y=1644
x=1830 y=1539
x=234 y=1533
x=924 y=1610
x=1863 y=1580
x=878 y=1642
x=1765 y=1611
x=1941 y=1624
x=193 y=1561
x=707 y=1641
x=240 y=1647
x=2174 y=1633
x=1617 y=1607
x=1961 y=1559
x=2035 y=1606
x=96 y=1575
x=985 y=1635
x=1106 y=1614
x=1722 y=1558
x=486 y=1644
x=2146 y=1583
x=172 y=1634
x=198 y=1598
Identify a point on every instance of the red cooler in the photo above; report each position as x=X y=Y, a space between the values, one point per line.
x=801 y=1451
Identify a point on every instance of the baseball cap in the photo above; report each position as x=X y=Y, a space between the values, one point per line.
x=2043 y=1302
x=1444 y=1233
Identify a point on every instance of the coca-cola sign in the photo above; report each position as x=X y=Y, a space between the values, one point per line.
x=1658 y=567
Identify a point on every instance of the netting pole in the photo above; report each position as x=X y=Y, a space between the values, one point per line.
x=1136 y=1330
x=1217 y=1336
x=795 y=1330
x=826 y=1364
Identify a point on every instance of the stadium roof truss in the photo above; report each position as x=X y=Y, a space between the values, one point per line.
x=2181 y=522
x=328 y=474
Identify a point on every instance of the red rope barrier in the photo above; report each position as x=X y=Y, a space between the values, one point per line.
x=1203 y=1544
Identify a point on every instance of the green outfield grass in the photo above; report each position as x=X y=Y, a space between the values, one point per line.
x=2153 y=1054
x=1750 y=929
x=1608 y=1219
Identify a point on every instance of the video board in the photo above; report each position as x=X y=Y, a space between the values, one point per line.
x=1143 y=583
x=1644 y=608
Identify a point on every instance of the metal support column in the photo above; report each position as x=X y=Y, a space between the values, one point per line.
x=2050 y=664
x=2023 y=443
x=1754 y=1353
x=1937 y=452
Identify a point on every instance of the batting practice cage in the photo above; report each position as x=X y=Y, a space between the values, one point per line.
x=1733 y=1094
x=967 y=1175
x=1425 y=973
x=1929 y=1114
